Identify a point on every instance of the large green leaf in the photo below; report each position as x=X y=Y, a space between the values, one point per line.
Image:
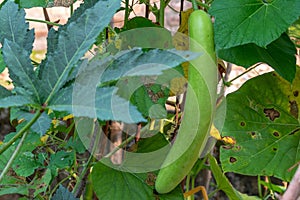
x=21 y=69
x=263 y=117
x=104 y=104
x=130 y=185
x=137 y=62
x=240 y=22
x=13 y=26
x=70 y=47
x=280 y=55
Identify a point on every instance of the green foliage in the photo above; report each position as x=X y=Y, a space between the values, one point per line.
x=42 y=124
x=13 y=26
x=294 y=30
x=259 y=22
x=129 y=83
x=25 y=163
x=224 y=184
x=132 y=185
x=280 y=54
x=254 y=35
x=35 y=3
x=63 y=193
x=70 y=47
x=265 y=125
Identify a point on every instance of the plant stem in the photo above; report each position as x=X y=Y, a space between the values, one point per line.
x=13 y=156
x=43 y=21
x=195 y=5
x=92 y=148
x=127 y=12
x=187 y=185
x=21 y=132
x=245 y=72
x=202 y=4
x=120 y=146
x=259 y=186
x=162 y=13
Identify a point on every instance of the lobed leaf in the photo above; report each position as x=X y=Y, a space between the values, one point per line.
x=71 y=47
x=239 y=22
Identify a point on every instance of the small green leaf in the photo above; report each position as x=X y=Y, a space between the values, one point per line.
x=63 y=193
x=26 y=164
x=280 y=55
x=61 y=159
x=240 y=22
x=40 y=126
x=76 y=144
x=263 y=117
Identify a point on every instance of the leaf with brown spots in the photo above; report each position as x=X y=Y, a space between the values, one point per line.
x=271 y=113
x=263 y=118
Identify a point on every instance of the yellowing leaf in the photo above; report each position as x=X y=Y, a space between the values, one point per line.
x=214 y=132
x=44 y=139
x=68 y=117
x=184 y=21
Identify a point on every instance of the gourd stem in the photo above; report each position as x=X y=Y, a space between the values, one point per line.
x=195 y=5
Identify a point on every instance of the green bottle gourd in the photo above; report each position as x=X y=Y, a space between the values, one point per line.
x=199 y=105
